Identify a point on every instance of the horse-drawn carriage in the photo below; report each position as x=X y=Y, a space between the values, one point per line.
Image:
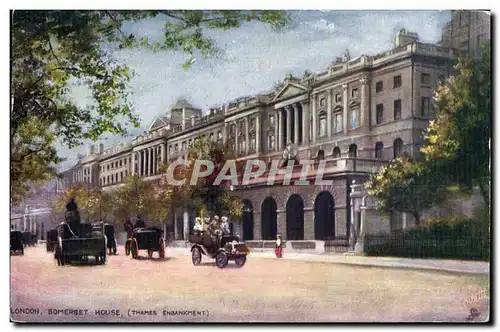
x=150 y=239
x=51 y=240
x=28 y=239
x=78 y=241
x=223 y=248
x=109 y=231
x=16 y=242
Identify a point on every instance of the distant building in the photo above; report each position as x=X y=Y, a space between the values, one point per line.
x=467 y=31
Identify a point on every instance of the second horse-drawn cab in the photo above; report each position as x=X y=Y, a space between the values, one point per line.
x=150 y=239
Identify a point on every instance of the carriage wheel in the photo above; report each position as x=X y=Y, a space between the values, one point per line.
x=221 y=260
x=127 y=248
x=134 y=249
x=196 y=256
x=161 y=252
x=150 y=253
x=240 y=261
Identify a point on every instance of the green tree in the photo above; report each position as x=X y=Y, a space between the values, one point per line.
x=459 y=137
x=54 y=50
x=132 y=198
x=405 y=185
x=33 y=157
x=204 y=196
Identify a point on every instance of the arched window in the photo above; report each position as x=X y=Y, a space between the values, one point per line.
x=398 y=147
x=353 y=151
x=336 y=152
x=321 y=155
x=219 y=135
x=379 y=147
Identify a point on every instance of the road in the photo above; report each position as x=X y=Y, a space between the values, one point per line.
x=264 y=290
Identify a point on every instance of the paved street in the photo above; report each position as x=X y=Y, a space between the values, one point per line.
x=265 y=289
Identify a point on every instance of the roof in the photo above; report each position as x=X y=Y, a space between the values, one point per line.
x=182 y=103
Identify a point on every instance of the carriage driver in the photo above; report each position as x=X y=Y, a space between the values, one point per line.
x=139 y=222
x=72 y=208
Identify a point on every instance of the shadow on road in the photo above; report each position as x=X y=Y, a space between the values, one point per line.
x=212 y=264
x=154 y=259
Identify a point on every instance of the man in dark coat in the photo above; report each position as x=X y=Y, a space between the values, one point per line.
x=139 y=222
x=71 y=205
x=129 y=228
x=73 y=214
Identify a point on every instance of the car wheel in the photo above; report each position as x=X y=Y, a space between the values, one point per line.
x=196 y=256
x=221 y=260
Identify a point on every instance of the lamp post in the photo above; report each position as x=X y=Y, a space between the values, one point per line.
x=356 y=196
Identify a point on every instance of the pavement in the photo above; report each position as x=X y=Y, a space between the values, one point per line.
x=444 y=265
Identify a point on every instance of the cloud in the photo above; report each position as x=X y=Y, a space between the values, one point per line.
x=256 y=56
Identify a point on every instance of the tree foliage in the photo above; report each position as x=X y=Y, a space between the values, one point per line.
x=203 y=195
x=405 y=185
x=134 y=197
x=93 y=204
x=460 y=135
x=53 y=50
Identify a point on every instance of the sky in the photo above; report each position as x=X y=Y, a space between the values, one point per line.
x=255 y=57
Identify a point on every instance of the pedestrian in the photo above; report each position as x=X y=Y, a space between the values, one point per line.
x=129 y=228
x=279 y=247
x=139 y=222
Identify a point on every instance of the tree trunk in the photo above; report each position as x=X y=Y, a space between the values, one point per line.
x=417 y=217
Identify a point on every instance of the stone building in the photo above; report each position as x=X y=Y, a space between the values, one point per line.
x=356 y=116
x=467 y=30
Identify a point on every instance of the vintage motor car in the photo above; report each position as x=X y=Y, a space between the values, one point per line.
x=16 y=242
x=150 y=239
x=223 y=248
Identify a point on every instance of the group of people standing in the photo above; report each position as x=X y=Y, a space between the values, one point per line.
x=129 y=227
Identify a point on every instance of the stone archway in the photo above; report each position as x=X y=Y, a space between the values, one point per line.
x=247 y=219
x=269 y=217
x=324 y=216
x=295 y=218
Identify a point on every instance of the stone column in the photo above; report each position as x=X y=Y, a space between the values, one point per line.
x=224 y=133
x=186 y=225
x=345 y=108
x=247 y=141
x=164 y=153
x=364 y=116
x=257 y=133
x=329 y=113
x=146 y=169
x=236 y=138
x=314 y=116
x=288 y=124
x=305 y=122
x=152 y=162
x=139 y=163
x=155 y=160
x=279 y=130
x=144 y=162
x=297 y=124
x=132 y=164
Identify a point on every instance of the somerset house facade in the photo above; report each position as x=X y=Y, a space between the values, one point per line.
x=356 y=115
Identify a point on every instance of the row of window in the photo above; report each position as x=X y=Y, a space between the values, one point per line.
x=113 y=178
x=116 y=164
x=353 y=150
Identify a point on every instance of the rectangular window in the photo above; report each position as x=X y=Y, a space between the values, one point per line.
x=379 y=87
x=425 y=79
x=355 y=118
x=125 y=162
x=271 y=120
x=338 y=123
x=120 y=163
x=355 y=93
x=252 y=122
x=397 y=109
x=322 y=126
x=380 y=113
x=397 y=81
x=338 y=97
x=425 y=106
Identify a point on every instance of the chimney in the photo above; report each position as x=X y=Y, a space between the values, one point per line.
x=90 y=150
